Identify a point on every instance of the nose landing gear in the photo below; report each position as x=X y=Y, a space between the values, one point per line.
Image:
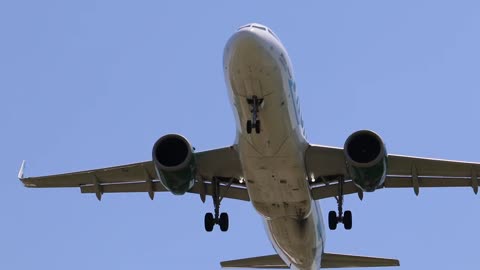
x=255 y=102
x=345 y=218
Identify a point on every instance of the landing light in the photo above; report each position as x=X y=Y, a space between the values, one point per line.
x=241 y=180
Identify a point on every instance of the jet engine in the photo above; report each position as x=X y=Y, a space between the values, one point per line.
x=174 y=163
x=366 y=159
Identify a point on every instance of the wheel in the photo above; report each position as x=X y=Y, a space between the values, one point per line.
x=257 y=126
x=223 y=222
x=332 y=220
x=249 y=126
x=347 y=220
x=209 y=222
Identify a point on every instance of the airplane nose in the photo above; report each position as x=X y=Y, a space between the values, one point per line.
x=246 y=39
x=248 y=34
x=247 y=42
x=254 y=30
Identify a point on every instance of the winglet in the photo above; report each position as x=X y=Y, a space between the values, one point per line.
x=20 y=173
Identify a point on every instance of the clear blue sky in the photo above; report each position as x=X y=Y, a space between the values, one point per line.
x=86 y=85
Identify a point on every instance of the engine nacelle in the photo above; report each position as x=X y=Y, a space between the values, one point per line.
x=366 y=159
x=174 y=163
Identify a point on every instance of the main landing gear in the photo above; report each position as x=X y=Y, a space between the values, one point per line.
x=345 y=218
x=217 y=218
x=255 y=102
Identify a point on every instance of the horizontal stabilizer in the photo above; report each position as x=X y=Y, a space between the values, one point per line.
x=330 y=260
x=263 y=262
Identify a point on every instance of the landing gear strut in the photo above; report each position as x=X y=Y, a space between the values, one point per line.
x=217 y=218
x=255 y=102
x=345 y=218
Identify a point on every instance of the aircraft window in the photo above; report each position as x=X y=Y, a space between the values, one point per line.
x=259 y=27
x=245 y=26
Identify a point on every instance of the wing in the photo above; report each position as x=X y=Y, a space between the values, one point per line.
x=327 y=165
x=221 y=165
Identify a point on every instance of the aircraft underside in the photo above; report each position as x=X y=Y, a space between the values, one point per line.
x=271 y=164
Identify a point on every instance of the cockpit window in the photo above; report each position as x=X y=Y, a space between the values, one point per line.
x=259 y=27
x=245 y=26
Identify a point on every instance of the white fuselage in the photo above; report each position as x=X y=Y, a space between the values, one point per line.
x=257 y=64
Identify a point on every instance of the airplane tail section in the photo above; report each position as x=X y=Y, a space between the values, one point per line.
x=329 y=260
x=263 y=262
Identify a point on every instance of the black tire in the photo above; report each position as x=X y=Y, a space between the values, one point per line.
x=223 y=222
x=257 y=126
x=332 y=220
x=249 y=126
x=347 y=220
x=209 y=222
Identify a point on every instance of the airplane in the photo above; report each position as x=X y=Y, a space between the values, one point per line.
x=272 y=165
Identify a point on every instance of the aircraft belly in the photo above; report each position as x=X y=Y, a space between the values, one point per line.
x=298 y=241
x=272 y=121
x=273 y=158
x=276 y=184
x=252 y=70
x=272 y=114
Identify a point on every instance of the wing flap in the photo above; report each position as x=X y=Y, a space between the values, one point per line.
x=123 y=187
x=331 y=190
x=232 y=192
x=330 y=260
x=407 y=182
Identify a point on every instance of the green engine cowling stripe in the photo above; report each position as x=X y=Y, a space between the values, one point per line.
x=371 y=178
x=180 y=181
